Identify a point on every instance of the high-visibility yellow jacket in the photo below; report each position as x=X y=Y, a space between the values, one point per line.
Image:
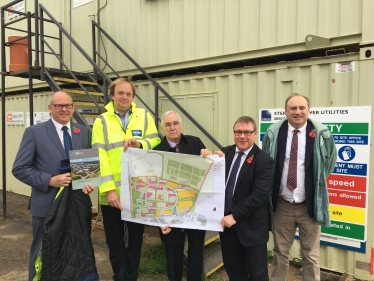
x=108 y=136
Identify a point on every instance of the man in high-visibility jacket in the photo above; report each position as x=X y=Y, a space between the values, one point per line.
x=122 y=126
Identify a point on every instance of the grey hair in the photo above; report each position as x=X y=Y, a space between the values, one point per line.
x=53 y=95
x=296 y=95
x=167 y=113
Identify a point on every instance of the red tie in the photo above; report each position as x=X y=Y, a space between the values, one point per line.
x=292 y=168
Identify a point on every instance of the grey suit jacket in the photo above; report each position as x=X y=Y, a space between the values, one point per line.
x=39 y=158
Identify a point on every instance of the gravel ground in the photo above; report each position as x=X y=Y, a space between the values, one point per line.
x=15 y=240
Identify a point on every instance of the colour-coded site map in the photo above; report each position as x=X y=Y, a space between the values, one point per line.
x=160 y=188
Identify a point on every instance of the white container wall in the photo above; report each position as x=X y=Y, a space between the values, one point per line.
x=245 y=91
x=164 y=35
x=172 y=34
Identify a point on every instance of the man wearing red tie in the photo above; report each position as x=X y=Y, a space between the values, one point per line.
x=304 y=154
x=246 y=221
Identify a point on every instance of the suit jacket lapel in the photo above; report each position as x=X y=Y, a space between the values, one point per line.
x=229 y=157
x=76 y=139
x=246 y=165
x=52 y=133
x=282 y=144
x=309 y=144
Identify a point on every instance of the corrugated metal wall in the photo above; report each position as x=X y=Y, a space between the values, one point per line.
x=172 y=34
x=245 y=91
x=167 y=32
x=14 y=135
x=160 y=34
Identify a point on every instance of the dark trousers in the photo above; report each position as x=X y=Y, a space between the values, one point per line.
x=125 y=262
x=37 y=234
x=174 y=257
x=195 y=254
x=195 y=267
x=243 y=263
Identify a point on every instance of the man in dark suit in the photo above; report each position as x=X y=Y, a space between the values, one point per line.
x=304 y=153
x=173 y=238
x=246 y=223
x=38 y=163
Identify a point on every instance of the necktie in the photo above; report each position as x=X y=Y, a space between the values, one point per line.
x=176 y=147
x=292 y=168
x=67 y=140
x=231 y=183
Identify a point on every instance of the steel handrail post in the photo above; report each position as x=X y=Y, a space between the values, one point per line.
x=94 y=49
x=31 y=98
x=156 y=107
x=3 y=73
x=76 y=45
x=42 y=55
x=36 y=8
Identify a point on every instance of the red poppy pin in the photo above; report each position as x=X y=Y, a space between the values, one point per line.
x=77 y=130
x=250 y=159
x=312 y=133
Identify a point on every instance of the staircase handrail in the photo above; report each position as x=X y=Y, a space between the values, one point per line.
x=72 y=75
x=145 y=73
x=72 y=40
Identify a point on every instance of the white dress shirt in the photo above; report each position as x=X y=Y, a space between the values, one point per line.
x=60 y=132
x=298 y=195
x=244 y=156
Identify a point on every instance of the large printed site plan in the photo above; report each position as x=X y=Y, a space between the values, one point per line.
x=160 y=188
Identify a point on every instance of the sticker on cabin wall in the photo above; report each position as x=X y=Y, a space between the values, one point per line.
x=15 y=118
x=78 y=3
x=19 y=7
x=39 y=117
x=343 y=67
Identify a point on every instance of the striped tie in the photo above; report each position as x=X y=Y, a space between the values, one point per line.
x=292 y=168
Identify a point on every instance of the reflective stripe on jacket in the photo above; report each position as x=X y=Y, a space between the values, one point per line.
x=108 y=136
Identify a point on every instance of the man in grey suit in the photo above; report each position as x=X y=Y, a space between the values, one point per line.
x=38 y=163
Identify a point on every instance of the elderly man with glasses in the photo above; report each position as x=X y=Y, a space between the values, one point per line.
x=173 y=238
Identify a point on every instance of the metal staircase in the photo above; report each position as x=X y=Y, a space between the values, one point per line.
x=88 y=90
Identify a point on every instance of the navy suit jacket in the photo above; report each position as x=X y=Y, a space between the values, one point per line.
x=39 y=158
x=309 y=179
x=251 y=196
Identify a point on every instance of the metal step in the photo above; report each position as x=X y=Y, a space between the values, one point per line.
x=69 y=80
x=210 y=236
x=87 y=103
x=73 y=91
x=212 y=253
x=90 y=115
x=213 y=260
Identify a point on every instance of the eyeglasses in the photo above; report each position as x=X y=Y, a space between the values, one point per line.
x=61 y=106
x=175 y=124
x=246 y=133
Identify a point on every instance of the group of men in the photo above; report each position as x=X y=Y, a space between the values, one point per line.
x=278 y=188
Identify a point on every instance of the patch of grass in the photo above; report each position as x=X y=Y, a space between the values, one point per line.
x=298 y=261
x=270 y=255
x=153 y=260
